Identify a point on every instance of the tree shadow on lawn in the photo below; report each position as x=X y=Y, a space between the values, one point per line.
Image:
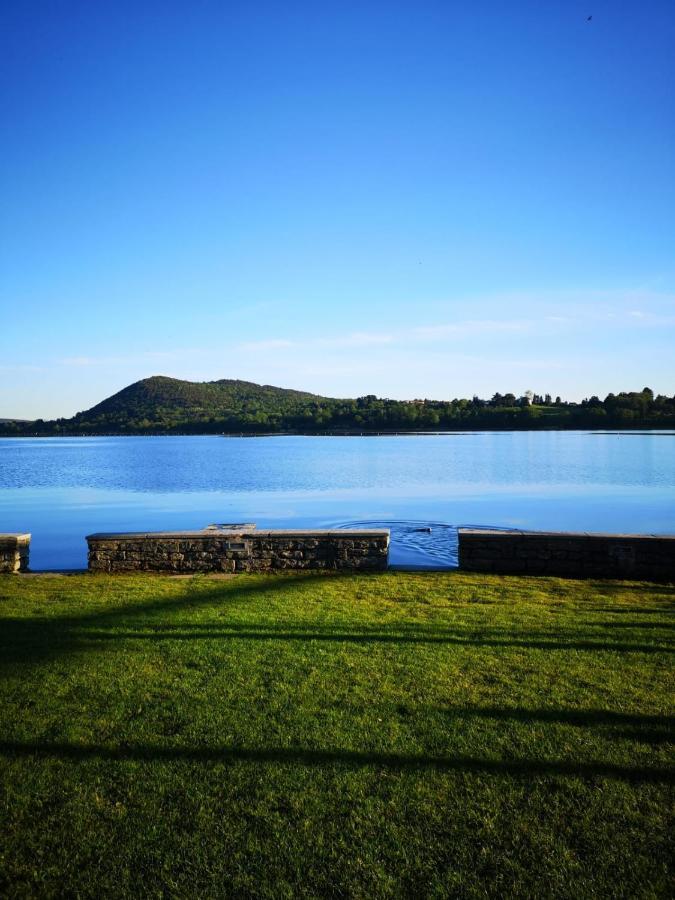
x=34 y=641
x=635 y=610
x=647 y=626
x=469 y=638
x=31 y=640
x=522 y=768
x=637 y=727
x=578 y=717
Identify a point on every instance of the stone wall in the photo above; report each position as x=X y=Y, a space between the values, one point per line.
x=578 y=555
x=214 y=550
x=14 y=550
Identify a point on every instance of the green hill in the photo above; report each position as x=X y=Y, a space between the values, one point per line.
x=161 y=403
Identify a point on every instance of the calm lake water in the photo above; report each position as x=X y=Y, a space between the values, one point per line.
x=61 y=489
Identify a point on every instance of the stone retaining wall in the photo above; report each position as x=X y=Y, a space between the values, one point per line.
x=14 y=550
x=581 y=555
x=231 y=551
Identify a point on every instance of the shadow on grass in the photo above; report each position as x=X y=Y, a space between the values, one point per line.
x=630 y=587
x=32 y=640
x=653 y=738
x=647 y=626
x=470 y=639
x=637 y=727
x=635 y=610
x=578 y=717
x=526 y=768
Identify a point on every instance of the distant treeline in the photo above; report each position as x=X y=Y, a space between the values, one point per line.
x=167 y=406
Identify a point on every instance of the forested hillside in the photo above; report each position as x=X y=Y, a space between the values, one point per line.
x=166 y=404
x=161 y=405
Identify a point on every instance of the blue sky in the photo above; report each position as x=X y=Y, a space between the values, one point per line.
x=408 y=199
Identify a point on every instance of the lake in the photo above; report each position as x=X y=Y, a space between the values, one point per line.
x=61 y=489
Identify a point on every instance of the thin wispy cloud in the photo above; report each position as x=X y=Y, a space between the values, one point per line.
x=359 y=339
x=356 y=339
x=651 y=320
x=441 y=331
x=470 y=327
x=82 y=361
x=131 y=359
x=271 y=344
x=476 y=329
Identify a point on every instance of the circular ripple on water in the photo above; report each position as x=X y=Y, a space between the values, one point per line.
x=418 y=543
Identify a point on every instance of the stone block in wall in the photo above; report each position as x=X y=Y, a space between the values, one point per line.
x=14 y=552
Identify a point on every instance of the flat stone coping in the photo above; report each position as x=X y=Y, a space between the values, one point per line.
x=210 y=534
x=514 y=532
x=230 y=526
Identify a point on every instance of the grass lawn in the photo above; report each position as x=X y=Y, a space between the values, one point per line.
x=424 y=735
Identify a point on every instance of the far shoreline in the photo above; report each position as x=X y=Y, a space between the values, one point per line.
x=642 y=430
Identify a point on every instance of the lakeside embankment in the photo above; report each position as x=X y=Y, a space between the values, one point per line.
x=242 y=548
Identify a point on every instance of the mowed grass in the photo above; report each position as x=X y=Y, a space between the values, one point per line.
x=422 y=735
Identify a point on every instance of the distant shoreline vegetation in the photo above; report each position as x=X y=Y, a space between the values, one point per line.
x=161 y=405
